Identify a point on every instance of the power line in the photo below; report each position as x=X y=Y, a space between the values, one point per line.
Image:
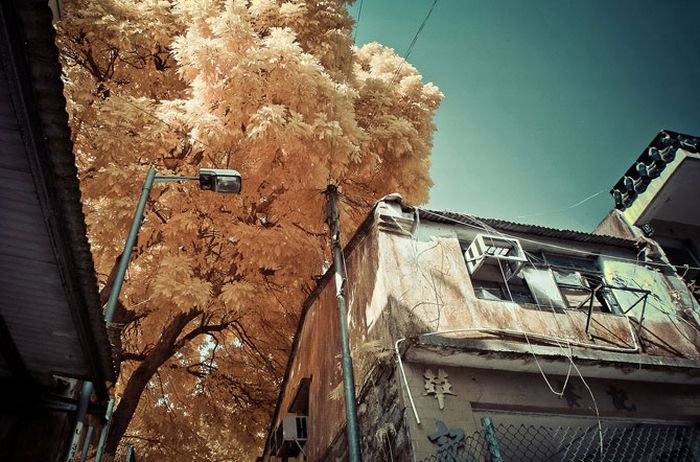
x=577 y=204
x=407 y=54
x=357 y=22
x=420 y=29
x=484 y=227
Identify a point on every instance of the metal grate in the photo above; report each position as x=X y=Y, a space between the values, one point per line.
x=523 y=443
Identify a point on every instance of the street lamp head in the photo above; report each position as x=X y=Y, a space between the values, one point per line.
x=220 y=180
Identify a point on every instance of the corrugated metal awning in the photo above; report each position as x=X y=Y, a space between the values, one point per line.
x=48 y=290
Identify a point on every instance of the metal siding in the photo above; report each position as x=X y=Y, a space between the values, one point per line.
x=33 y=302
x=510 y=227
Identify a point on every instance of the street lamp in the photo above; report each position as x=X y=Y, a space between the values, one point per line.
x=220 y=180
x=211 y=179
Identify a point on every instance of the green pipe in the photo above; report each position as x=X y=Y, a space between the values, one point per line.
x=86 y=444
x=105 y=431
x=129 y=246
x=129 y=453
x=353 y=434
x=81 y=416
x=491 y=440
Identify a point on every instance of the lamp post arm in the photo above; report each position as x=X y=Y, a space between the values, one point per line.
x=166 y=178
x=129 y=245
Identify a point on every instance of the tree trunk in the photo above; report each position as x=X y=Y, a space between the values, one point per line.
x=160 y=353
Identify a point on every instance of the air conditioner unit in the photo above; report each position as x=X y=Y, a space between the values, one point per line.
x=290 y=436
x=487 y=250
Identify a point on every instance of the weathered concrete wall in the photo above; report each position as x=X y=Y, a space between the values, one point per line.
x=504 y=394
x=318 y=350
x=614 y=224
x=406 y=280
x=431 y=290
x=382 y=420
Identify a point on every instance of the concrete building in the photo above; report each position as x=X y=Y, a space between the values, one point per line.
x=657 y=198
x=481 y=339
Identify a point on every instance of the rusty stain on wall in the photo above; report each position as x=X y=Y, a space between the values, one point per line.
x=402 y=285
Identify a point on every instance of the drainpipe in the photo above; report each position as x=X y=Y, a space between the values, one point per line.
x=332 y=218
x=105 y=431
x=129 y=453
x=129 y=245
x=85 y=394
x=86 y=444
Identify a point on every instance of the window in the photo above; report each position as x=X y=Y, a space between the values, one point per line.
x=490 y=285
x=580 y=282
x=300 y=403
x=681 y=253
x=558 y=281
x=498 y=290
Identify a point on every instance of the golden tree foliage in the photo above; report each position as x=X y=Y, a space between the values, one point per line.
x=278 y=91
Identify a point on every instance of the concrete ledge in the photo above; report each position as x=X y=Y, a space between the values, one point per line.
x=520 y=357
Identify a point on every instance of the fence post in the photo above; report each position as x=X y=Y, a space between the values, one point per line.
x=491 y=440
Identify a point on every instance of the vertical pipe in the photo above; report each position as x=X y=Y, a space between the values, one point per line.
x=85 y=394
x=129 y=245
x=491 y=440
x=332 y=218
x=129 y=453
x=86 y=444
x=105 y=431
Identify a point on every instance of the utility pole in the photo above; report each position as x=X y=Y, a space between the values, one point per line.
x=333 y=220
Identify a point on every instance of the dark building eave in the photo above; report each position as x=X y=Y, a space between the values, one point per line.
x=31 y=60
x=650 y=164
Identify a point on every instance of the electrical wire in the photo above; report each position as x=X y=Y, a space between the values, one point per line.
x=521 y=331
x=415 y=37
x=573 y=206
x=357 y=22
x=569 y=356
x=407 y=54
x=548 y=244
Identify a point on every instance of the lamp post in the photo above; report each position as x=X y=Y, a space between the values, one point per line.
x=218 y=180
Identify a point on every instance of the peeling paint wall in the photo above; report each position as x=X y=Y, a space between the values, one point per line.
x=317 y=354
x=509 y=397
x=407 y=278
x=432 y=291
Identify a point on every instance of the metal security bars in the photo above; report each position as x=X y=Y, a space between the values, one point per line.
x=529 y=443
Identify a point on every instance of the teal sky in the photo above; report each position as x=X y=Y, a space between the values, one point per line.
x=546 y=102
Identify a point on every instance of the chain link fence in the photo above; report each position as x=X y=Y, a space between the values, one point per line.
x=523 y=443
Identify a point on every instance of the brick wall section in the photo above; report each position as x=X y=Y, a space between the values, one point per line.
x=382 y=419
